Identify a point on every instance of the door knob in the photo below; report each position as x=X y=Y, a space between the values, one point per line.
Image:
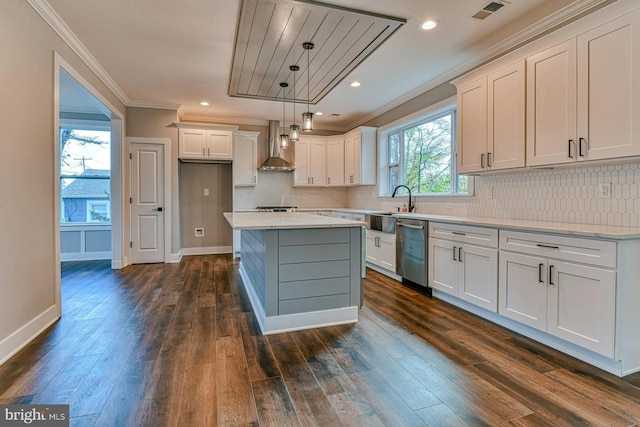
x=158 y=209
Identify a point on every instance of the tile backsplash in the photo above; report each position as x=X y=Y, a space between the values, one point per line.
x=568 y=194
x=275 y=189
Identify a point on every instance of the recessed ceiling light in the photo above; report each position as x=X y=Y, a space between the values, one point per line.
x=319 y=113
x=429 y=24
x=354 y=84
x=204 y=103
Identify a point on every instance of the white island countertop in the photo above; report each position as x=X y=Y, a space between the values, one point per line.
x=284 y=220
x=586 y=230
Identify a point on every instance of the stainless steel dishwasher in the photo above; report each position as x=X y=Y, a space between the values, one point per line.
x=411 y=253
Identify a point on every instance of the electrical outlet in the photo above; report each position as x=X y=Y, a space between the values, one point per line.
x=604 y=190
x=206 y=191
x=199 y=231
x=488 y=193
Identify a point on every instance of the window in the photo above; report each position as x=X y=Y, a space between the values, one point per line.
x=85 y=173
x=420 y=153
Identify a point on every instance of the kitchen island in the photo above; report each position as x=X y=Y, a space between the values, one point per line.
x=300 y=270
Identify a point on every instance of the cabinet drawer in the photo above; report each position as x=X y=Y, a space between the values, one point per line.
x=588 y=251
x=358 y=217
x=480 y=236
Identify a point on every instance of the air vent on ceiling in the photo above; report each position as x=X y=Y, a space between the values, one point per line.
x=334 y=115
x=488 y=10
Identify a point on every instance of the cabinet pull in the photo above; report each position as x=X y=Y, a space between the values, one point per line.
x=454 y=253
x=208 y=152
x=580 y=140
x=488 y=160
x=203 y=155
x=482 y=160
x=569 y=148
x=547 y=246
x=540 y=273
x=459 y=233
x=329 y=180
x=460 y=254
x=551 y=275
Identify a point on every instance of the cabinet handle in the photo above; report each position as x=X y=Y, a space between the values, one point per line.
x=460 y=254
x=254 y=179
x=454 y=253
x=203 y=155
x=540 y=273
x=459 y=233
x=488 y=160
x=580 y=141
x=551 y=275
x=328 y=180
x=547 y=246
x=208 y=152
x=311 y=180
x=482 y=160
x=569 y=148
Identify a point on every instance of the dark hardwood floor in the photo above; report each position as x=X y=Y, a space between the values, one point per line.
x=178 y=345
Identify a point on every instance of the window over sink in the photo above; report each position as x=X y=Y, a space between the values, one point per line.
x=420 y=151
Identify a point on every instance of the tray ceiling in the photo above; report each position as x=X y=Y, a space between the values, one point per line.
x=269 y=39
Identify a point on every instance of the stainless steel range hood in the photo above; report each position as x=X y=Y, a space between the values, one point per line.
x=274 y=162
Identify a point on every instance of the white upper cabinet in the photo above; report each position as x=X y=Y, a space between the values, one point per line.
x=360 y=156
x=310 y=161
x=335 y=161
x=245 y=163
x=205 y=142
x=491 y=121
x=582 y=100
x=609 y=90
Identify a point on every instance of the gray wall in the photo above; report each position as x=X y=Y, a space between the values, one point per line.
x=28 y=271
x=198 y=210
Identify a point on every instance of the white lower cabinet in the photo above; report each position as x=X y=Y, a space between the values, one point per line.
x=381 y=249
x=571 y=301
x=467 y=271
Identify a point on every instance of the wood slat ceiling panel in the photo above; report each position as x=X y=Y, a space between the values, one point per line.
x=269 y=39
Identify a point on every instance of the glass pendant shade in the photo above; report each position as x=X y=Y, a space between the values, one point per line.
x=307 y=121
x=307 y=118
x=294 y=133
x=284 y=141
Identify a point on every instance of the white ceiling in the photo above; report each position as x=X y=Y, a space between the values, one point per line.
x=170 y=53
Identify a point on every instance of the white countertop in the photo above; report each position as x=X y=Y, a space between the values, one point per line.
x=587 y=230
x=284 y=220
x=350 y=210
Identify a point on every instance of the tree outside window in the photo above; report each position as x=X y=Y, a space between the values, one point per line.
x=85 y=175
x=420 y=155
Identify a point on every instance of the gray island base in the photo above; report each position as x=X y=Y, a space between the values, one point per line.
x=300 y=270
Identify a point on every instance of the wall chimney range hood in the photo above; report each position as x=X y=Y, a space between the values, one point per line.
x=274 y=162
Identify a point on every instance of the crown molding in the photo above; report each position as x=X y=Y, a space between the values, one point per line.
x=60 y=27
x=190 y=117
x=154 y=104
x=528 y=34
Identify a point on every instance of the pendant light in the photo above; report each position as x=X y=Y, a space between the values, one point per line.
x=294 y=129
x=307 y=118
x=284 y=138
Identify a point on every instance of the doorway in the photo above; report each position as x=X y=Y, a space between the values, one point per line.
x=76 y=102
x=148 y=200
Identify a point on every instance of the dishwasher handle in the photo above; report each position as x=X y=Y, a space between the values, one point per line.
x=415 y=227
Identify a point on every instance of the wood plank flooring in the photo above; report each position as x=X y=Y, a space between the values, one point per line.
x=178 y=345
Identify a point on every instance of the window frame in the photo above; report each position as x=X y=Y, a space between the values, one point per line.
x=428 y=114
x=84 y=125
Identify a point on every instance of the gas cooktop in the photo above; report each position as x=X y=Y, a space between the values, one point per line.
x=277 y=209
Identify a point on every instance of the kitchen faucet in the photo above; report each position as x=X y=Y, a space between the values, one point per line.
x=411 y=207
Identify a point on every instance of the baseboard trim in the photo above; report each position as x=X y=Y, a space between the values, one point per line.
x=85 y=256
x=384 y=271
x=207 y=250
x=173 y=258
x=23 y=336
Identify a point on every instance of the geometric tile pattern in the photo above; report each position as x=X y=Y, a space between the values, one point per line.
x=567 y=194
x=275 y=189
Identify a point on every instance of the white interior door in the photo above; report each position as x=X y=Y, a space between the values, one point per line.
x=147 y=203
